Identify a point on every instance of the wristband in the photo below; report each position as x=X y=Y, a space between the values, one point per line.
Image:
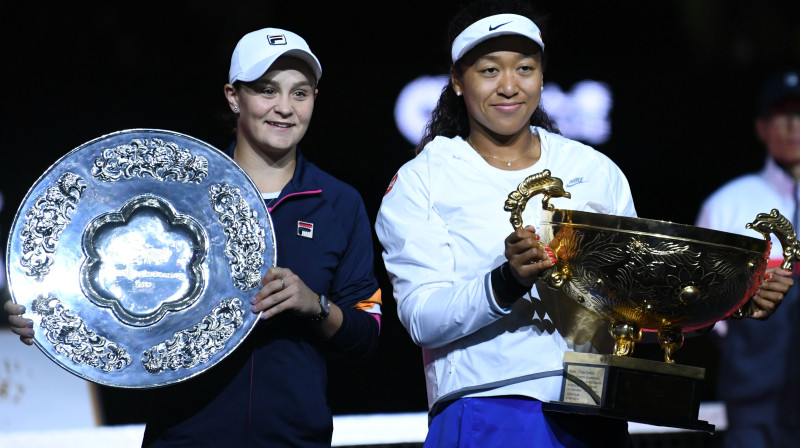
x=505 y=286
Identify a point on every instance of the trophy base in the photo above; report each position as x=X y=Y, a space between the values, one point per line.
x=632 y=389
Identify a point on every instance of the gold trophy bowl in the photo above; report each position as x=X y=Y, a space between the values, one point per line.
x=643 y=274
x=646 y=275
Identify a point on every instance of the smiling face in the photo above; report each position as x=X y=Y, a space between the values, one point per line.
x=501 y=82
x=275 y=110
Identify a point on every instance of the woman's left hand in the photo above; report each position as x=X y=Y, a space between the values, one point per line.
x=282 y=290
x=776 y=283
x=526 y=256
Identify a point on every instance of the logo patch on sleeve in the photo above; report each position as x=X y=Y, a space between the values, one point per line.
x=305 y=229
x=391 y=184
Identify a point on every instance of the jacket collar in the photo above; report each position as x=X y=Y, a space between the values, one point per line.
x=303 y=181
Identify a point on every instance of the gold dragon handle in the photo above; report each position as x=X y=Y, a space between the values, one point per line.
x=540 y=183
x=550 y=187
x=775 y=223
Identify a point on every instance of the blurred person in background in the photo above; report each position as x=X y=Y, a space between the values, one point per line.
x=759 y=379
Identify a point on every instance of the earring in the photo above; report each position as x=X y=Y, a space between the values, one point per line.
x=235 y=109
x=458 y=93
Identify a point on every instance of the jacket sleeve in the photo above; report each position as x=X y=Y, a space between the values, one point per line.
x=433 y=305
x=355 y=288
x=357 y=338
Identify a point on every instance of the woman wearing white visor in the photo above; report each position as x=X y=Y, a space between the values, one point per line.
x=493 y=342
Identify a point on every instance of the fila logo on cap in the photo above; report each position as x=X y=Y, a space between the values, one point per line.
x=305 y=229
x=277 y=39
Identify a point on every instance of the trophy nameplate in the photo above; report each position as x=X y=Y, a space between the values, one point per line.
x=136 y=256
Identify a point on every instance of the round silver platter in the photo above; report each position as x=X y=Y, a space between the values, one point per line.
x=136 y=255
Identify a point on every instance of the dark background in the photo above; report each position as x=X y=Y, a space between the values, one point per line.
x=684 y=75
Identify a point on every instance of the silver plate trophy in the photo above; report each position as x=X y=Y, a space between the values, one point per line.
x=136 y=255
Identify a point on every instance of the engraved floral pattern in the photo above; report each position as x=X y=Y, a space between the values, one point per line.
x=44 y=222
x=164 y=161
x=640 y=279
x=72 y=338
x=198 y=344
x=244 y=244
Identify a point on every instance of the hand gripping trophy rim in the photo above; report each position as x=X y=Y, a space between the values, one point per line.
x=541 y=183
x=625 y=333
x=773 y=222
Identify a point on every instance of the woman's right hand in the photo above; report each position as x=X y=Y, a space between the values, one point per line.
x=19 y=325
x=526 y=256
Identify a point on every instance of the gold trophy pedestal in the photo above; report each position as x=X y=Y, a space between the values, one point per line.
x=632 y=389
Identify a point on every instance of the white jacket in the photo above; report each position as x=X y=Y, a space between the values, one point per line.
x=442 y=227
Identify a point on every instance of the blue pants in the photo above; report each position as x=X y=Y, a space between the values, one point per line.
x=511 y=422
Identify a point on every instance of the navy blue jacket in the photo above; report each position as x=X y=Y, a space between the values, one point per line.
x=271 y=391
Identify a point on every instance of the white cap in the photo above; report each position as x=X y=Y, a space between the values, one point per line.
x=258 y=50
x=493 y=26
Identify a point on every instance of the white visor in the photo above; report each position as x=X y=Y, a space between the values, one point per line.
x=493 y=26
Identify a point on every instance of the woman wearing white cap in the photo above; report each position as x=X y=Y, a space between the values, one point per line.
x=493 y=344
x=322 y=296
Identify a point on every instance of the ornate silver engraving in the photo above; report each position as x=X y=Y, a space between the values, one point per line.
x=72 y=338
x=196 y=345
x=244 y=244
x=124 y=233
x=45 y=221
x=164 y=161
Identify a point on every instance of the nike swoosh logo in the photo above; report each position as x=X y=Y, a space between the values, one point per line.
x=576 y=181
x=492 y=28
